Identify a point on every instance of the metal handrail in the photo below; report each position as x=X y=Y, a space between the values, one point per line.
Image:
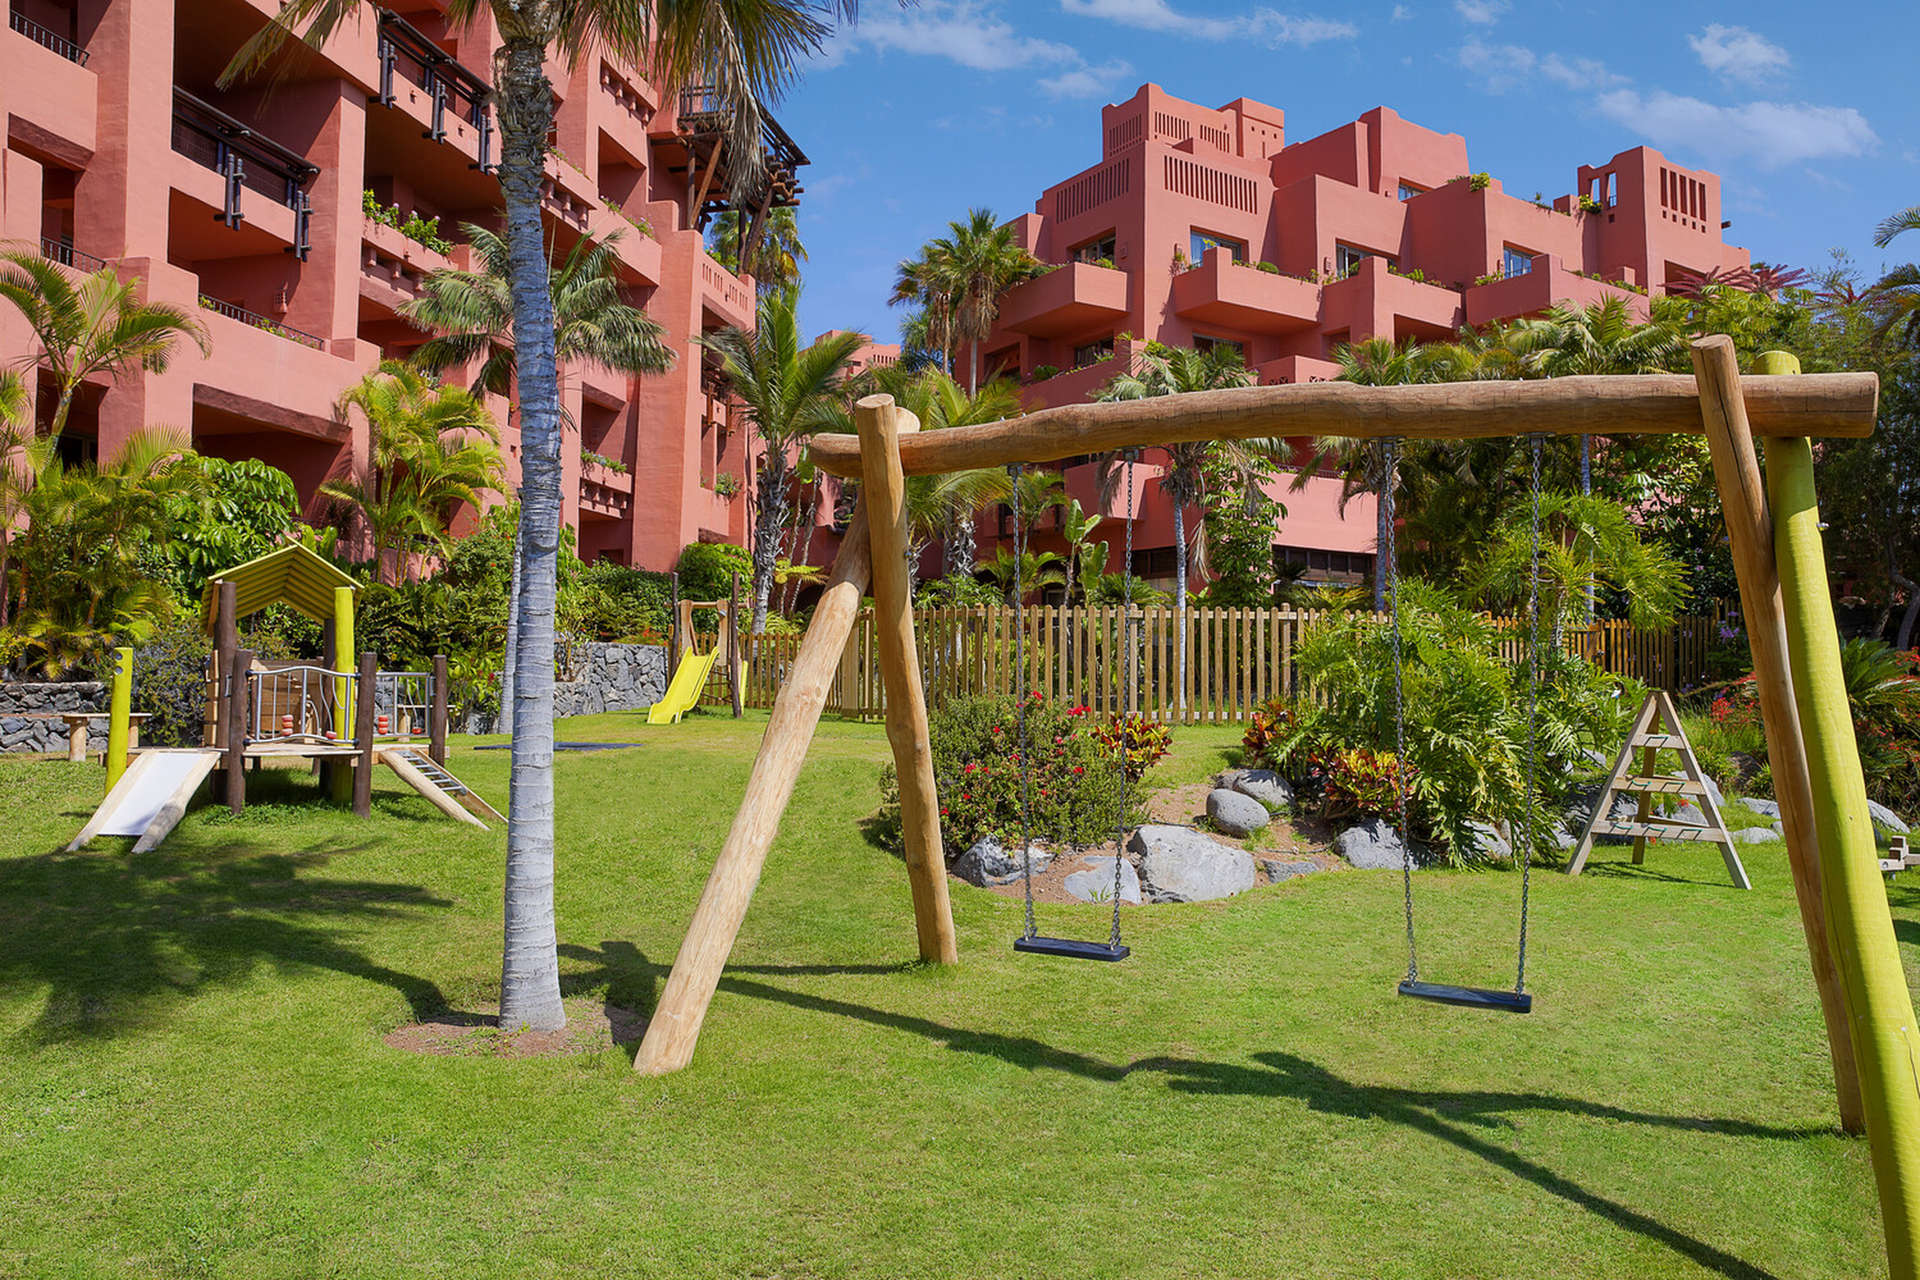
x=63 y=252
x=306 y=701
x=440 y=74
x=266 y=323
x=291 y=170
x=47 y=39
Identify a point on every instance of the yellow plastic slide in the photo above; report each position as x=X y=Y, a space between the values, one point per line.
x=684 y=692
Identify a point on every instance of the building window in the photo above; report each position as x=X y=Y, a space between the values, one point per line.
x=1153 y=562
x=1096 y=251
x=1204 y=344
x=1347 y=259
x=1092 y=352
x=1201 y=241
x=1324 y=565
x=1408 y=191
x=1516 y=262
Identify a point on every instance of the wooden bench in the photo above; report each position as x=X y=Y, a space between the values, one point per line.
x=78 y=722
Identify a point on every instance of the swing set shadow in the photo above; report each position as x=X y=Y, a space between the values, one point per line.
x=1450 y=1116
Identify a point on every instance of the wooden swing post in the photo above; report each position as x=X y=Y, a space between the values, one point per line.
x=674 y=1029
x=882 y=424
x=1750 y=534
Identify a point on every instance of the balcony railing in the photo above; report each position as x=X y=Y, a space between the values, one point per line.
x=63 y=252
x=46 y=39
x=265 y=323
x=405 y=50
x=209 y=136
x=703 y=110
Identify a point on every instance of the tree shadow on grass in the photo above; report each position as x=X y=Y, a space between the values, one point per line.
x=115 y=938
x=1464 y=1119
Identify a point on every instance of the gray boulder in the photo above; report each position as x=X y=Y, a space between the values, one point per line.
x=1279 y=871
x=1096 y=883
x=1179 y=864
x=1579 y=809
x=1488 y=842
x=1765 y=808
x=987 y=864
x=1236 y=814
x=1372 y=846
x=1713 y=788
x=1886 y=819
x=1264 y=785
x=1752 y=835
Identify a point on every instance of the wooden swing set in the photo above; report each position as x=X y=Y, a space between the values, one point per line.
x=1772 y=525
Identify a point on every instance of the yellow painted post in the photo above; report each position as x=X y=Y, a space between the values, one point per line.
x=341 y=660
x=120 y=715
x=1886 y=1046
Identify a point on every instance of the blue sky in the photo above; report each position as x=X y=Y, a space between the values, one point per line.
x=915 y=114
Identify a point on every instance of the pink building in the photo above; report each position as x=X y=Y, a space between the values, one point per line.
x=1204 y=227
x=248 y=204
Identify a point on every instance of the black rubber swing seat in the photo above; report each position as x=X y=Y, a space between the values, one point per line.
x=1471 y=997
x=1071 y=948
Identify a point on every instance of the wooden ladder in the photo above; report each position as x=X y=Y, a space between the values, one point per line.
x=1656 y=729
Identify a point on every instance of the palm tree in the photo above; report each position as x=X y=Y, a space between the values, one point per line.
x=747 y=51
x=99 y=327
x=431 y=449
x=1586 y=543
x=954 y=500
x=1600 y=338
x=984 y=261
x=787 y=392
x=927 y=281
x=470 y=314
x=777 y=256
x=1897 y=293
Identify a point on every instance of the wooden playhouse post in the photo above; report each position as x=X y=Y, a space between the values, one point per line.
x=731 y=633
x=1885 y=1042
x=881 y=423
x=674 y=1029
x=235 y=708
x=1743 y=500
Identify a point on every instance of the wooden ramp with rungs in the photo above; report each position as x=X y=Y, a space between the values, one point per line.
x=450 y=795
x=150 y=798
x=1656 y=729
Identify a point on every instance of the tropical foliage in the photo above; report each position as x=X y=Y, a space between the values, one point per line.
x=956 y=280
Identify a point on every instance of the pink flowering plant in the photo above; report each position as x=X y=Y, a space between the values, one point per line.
x=1073 y=782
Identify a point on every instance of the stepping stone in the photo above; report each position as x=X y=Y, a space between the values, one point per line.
x=1096 y=884
x=1278 y=872
x=1236 y=814
x=1179 y=864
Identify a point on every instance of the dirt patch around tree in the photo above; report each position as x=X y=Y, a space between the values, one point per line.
x=592 y=1027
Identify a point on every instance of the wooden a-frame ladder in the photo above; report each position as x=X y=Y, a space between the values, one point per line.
x=1656 y=729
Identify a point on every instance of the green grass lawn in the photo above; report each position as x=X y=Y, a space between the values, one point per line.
x=193 y=1080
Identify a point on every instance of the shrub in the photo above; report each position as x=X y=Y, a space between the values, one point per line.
x=615 y=603
x=706 y=570
x=1283 y=739
x=1360 y=783
x=1073 y=793
x=957 y=590
x=1041 y=372
x=170 y=679
x=1270 y=268
x=1140 y=742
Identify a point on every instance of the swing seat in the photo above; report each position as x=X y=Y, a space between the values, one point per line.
x=1471 y=997
x=1070 y=948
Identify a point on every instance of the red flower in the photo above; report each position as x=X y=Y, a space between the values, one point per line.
x=1079 y=768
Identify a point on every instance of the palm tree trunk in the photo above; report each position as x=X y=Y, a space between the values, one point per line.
x=1180 y=595
x=1586 y=465
x=766 y=533
x=973 y=369
x=530 y=961
x=803 y=540
x=512 y=643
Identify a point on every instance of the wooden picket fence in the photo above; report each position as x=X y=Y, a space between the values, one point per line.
x=1236 y=658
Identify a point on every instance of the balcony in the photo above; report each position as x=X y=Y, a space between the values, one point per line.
x=46 y=38
x=63 y=252
x=431 y=85
x=51 y=95
x=1070 y=301
x=724 y=297
x=604 y=493
x=703 y=121
x=1547 y=284
x=394 y=266
x=1375 y=302
x=245 y=162
x=1232 y=295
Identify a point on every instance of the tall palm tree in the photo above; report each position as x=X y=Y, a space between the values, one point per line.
x=470 y=314
x=1599 y=338
x=97 y=327
x=939 y=402
x=927 y=282
x=748 y=52
x=776 y=258
x=983 y=260
x=1897 y=293
x=431 y=449
x=787 y=392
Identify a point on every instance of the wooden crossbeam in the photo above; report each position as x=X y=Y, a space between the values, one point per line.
x=1820 y=404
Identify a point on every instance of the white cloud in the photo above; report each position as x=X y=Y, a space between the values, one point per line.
x=963 y=31
x=1267 y=25
x=1500 y=66
x=1735 y=53
x=1483 y=12
x=1579 y=73
x=1770 y=134
x=1401 y=13
x=1087 y=81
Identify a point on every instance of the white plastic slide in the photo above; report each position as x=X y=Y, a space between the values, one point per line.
x=150 y=798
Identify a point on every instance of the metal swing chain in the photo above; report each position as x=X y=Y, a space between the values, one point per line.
x=1127 y=633
x=1015 y=471
x=1535 y=444
x=1389 y=491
